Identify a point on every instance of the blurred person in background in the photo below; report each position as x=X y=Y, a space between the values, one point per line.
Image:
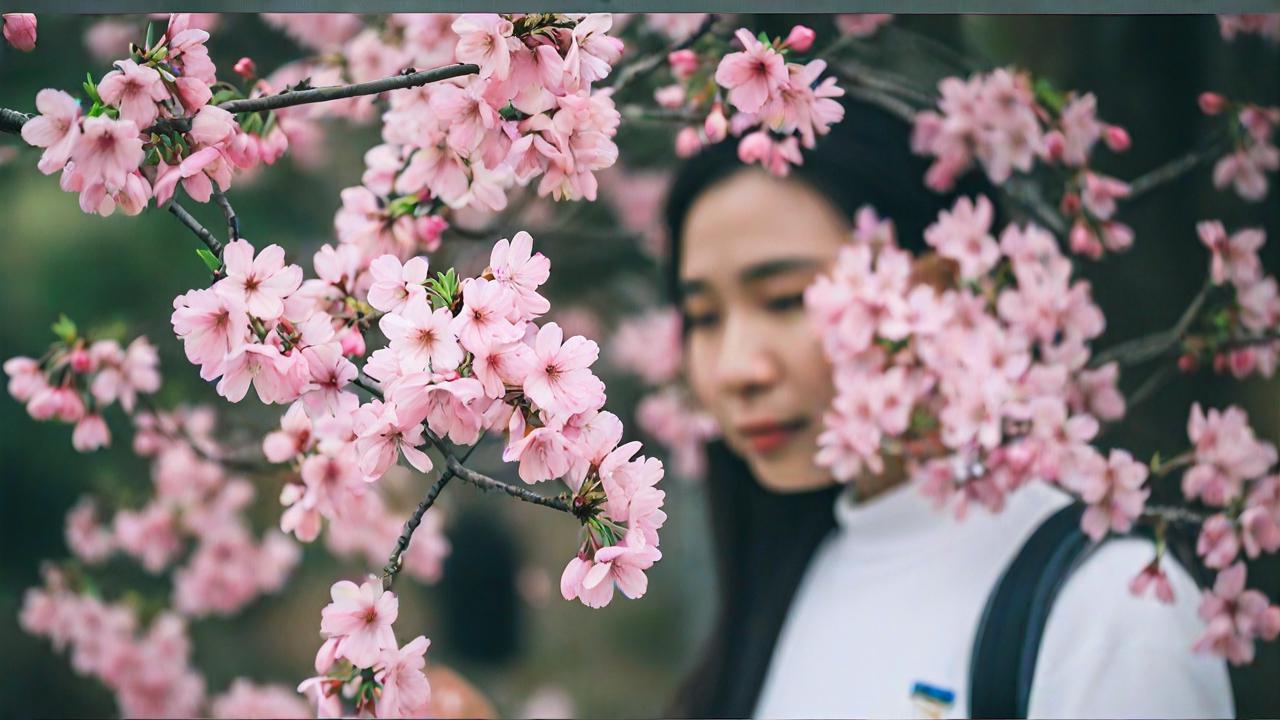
x=862 y=599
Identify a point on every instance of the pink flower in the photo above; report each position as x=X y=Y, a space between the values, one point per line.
x=150 y=535
x=1114 y=490
x=25 y=378
x=592 y=52
x=291 y=439
x=1245 y=170
x=421 y=337
x=1100 y=194
x=329 y=374
x=107 y=151
x=543 y=452
x=1234 y=258
x=483 y=320
x=964 y=235
x=211 y=326
x=1235 y=617
x=212 y=125
x=20 y=30
x=380 y=434
x=360 y=619
x=688 y=142
x=777 y=156
x=86 y=538
x=136 y=90
x=1226 y=454
x=56 y=129
x=753 y=76
x=90 y=434
x=395 y=284
x=261 y=284
x=1154 y=578
x=483 y=40
x=560 y=381
x=1218 y=544
x=516 y=267
x=497 y=365
x=592 y=581
x=405 y=690
x=275 y=377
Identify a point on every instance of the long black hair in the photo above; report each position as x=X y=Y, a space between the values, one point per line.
x=763 y=541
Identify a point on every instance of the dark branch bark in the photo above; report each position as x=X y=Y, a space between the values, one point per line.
x=233 y=222
x=214 y=244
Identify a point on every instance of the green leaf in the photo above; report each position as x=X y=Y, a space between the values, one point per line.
x=65 y=329
x=764 y=38
x=1047 y=94
x=211 y=261
x=1155 y=462
x=150 y=28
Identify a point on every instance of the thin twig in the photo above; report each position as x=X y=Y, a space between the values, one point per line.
x=1148 y=347
x=1154 y=382
x=211 y=242
x=11 y=121
x=233 y=222
x=559 y=502
x=1174 y=513
x=1175 y=168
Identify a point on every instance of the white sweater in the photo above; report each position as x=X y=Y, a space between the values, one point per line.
x=893 y=597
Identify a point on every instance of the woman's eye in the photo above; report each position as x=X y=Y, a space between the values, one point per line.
x=785 y=303
x=700 y=320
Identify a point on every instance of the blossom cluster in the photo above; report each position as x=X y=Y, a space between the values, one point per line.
x=1253 y=149
x=78 y=379
x=1006 y=123
x=531 y=113
x=361 y=661
x=1243 y=311
x=150 y=128
x=146 y=664
x=19 y=30
x=774 y=106
x=462 y=357
x=650 y=347
x=992 y=364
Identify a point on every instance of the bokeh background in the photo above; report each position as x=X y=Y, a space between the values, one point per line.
x=497 y=616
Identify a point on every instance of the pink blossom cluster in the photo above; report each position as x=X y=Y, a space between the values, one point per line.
x=1244 y=336
x=1005 y=123
x=77 y=380
x=1229 y=470
x=1236 y=617
x=19 y=30
x=1254 y=152
x=650 y=347
x=133 y=144
x=531 y=113
x=1266 y=25
x=991 y=368
x=777 y=106
x=148 y=668
x=360 y=660
x=461 y=358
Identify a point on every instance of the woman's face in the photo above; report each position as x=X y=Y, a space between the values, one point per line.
x=751 y=244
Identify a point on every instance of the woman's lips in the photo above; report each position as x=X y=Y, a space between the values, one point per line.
x=766 y=437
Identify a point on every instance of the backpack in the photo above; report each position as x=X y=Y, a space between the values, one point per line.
x=1007 y=643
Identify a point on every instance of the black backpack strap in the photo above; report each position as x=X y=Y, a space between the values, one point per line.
x=1012 y=625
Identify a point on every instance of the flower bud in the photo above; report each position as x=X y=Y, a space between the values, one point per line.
x=1117 y=138
x=755 y=147
x=1211 y=103
x=1070 y=204
x=1054 y=146
x=80 y=361
x=353 y=343
x=1187 y=363
x=800 y=39
x=245 y=68
x=716 y=126
x=20 y=30
x=688 y=143
x=669 y=96
x=1084 y=242
x=683 y=63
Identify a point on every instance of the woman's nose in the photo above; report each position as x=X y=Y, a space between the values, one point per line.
x=746 y=364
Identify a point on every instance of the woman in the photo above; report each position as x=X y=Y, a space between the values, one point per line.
x=839 y=601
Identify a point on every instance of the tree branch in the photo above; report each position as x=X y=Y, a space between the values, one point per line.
x=11 y=121
x=211 y=242
x=486 y=483
x=233 y=222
